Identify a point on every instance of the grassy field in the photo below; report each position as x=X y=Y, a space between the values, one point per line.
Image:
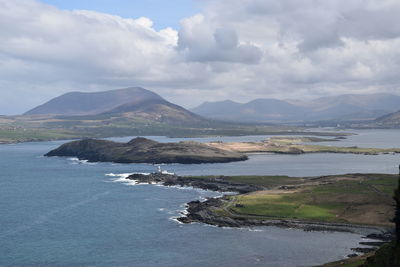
x=295 y=206
x=353 y=198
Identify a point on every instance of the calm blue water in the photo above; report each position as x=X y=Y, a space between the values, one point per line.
x=376 y=138
x=55 y=211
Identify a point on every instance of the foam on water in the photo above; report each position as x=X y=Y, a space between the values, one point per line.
x=122 y=178
x=81 y=161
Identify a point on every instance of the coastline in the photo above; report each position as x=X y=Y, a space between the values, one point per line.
x=202 y=211
x=205 y=211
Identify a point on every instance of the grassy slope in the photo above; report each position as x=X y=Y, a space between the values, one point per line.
x=355 y=198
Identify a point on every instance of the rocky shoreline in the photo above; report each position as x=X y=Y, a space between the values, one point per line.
x=204 y=211
x=143 y=150
x=219 y=184
x=198 y=211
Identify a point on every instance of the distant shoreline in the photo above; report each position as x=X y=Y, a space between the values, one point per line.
x=177 y=135
x=298 y=145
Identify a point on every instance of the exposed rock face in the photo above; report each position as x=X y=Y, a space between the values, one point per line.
x=214 y=184
x=142 y=150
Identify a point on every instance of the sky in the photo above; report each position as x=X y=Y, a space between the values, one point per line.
x=191 y=51
x=163 y=13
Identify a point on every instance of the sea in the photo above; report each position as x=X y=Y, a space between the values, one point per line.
x=67 y=212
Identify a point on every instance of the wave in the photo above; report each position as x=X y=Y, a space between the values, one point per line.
x=167 y=172
x=81 y=161
x=175 y=219
x=122 y=178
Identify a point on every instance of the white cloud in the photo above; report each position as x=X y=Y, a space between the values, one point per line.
x=237 y=49
x=202 y=42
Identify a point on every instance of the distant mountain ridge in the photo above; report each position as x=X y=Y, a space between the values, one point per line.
x=134 y=103
x=389 y=120
x=342 y=108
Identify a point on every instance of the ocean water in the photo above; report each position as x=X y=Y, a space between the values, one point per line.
x=376 y=138
x=64 y=212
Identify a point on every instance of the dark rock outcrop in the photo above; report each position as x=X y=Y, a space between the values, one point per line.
x=142 y=150
x=220 y=183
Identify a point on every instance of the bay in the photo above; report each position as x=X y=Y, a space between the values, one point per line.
x=64 y=212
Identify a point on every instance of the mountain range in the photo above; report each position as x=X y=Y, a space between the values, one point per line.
x=136 y=111
x=134 y=102
x=348 y=107
x=139 y=106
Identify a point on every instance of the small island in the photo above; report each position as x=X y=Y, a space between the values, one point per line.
x=143 y=150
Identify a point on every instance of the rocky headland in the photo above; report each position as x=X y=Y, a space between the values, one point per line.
x=142 y=150
x=214 y=211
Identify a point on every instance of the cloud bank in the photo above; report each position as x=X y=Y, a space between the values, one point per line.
x=237 y=49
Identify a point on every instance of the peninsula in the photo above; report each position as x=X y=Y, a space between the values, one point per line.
x=336 y=202
x=357 y=203
x=142 y=150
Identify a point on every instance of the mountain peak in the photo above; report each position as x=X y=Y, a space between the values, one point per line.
x=90 y=103
x=133 y=104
